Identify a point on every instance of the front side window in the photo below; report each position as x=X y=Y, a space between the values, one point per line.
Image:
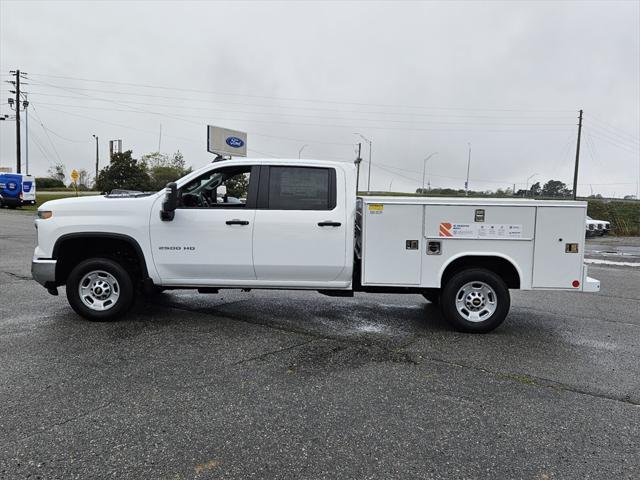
x=301 y=188
x=221 y=188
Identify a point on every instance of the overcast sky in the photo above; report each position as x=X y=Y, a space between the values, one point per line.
x=413 y=77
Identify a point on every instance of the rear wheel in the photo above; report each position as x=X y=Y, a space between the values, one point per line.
x=475 y=301
x=100 y=289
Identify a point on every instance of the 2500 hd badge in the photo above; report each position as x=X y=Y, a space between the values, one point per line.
x=177 y=248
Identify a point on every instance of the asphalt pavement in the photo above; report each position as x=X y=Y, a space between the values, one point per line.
x=284 y=384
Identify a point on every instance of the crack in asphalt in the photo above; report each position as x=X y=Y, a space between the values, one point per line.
x=49 y=428
x=526 y=379
x=273 y=352
x=16 y=275
x=540 y=310
x=535 y=381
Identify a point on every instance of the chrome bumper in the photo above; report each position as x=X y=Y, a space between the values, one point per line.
x=43 y=271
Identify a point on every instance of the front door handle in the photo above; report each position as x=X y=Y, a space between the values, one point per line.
x=236 y=221
x=328 y=223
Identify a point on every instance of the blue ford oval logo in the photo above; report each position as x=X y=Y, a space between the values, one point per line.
x=235 y=142
x=12 y=185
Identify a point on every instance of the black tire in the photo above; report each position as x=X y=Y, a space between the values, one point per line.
x=125 y=287
x=432 y=295
x=453 y=288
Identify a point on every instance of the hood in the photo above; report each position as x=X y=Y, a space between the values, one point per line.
x=97 y=204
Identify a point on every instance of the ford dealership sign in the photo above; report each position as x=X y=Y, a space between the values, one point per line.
x=234 y=142
x=225 y=142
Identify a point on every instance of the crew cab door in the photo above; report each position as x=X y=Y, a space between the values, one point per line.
x=299 y=237
x=210 y=239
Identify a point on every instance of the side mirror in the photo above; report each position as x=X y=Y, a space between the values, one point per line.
x=170 y=202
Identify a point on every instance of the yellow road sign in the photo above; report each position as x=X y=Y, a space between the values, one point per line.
x=75 y=176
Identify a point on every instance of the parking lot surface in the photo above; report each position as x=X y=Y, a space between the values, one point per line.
x=288 y=384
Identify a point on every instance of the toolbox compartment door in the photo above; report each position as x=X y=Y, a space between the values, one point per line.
x=392 y=243
x=553 y=265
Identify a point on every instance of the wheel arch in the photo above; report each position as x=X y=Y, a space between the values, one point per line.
x=502 y=265
x=71 y=247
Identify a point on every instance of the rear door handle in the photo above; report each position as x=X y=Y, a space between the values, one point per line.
x=236 y=221
x=328 y=223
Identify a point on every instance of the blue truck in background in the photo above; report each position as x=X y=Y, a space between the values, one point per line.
x=17 y=189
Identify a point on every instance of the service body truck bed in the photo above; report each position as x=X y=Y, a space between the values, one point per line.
x=421 y=237
x=302 y=227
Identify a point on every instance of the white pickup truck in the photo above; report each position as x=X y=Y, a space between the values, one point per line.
x=300 y=225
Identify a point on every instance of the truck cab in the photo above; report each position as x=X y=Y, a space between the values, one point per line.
x=292 y=224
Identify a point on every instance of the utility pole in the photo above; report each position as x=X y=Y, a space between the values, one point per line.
x=26 y=135
x=575 y=172
x=369 y=175
x=18 y=153
x=16 y=83
x=358 y=161
x=160 y=138
x=466 y=184
x=97 y=158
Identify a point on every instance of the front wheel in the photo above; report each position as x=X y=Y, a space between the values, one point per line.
x=100 y=289
x=475 y=301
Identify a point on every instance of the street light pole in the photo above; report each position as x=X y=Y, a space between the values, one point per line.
x=466 y=184
x=300 y=151
x=526 y=184
x=369 y=174
x=97 y=157
x=424 y=168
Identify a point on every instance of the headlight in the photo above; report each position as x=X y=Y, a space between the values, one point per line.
x=44 y=214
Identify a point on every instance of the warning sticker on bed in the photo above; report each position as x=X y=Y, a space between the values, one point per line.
x=456 y=230
x=482 y=230
x=500 y=230
x=376 y=208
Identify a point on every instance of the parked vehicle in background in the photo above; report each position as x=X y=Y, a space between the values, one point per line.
x=302 y=226
x=596 y=227
x=17 y=189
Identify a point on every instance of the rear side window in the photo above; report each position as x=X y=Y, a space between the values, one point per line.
x=302 y=188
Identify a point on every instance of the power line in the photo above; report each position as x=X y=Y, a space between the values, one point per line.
x=35 y=112
x=280 y=107
x=269 y=97
x=613 y=127
x=358 y=126
x=614 y=138
x=417 y=122
x=599 y=136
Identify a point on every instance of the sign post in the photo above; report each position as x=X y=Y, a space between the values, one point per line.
x=74 y=176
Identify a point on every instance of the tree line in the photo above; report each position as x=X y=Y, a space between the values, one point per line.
x=151 y=172
x=553 y=188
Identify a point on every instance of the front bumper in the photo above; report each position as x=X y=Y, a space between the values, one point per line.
x=43 y=271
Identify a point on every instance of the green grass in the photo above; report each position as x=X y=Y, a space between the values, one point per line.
x=623 y=215
x=42 y=197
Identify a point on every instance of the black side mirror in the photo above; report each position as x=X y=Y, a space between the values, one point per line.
x=170 y=202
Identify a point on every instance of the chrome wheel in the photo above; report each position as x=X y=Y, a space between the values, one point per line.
x=99 y=290
x=476 y=301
